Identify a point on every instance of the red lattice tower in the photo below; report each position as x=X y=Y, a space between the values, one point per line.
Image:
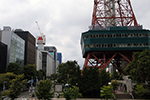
x=113 y=13
x=109 y=13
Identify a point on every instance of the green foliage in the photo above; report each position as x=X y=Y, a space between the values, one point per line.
x=140 y=90
x=114 y=84
x=54 y=76
x=68 y=72
x=72 y=93
x=139 y=68
x=14 y=68
x=104 y=77
x=29 y=71
x=6 y=77
x=107 y=92
x=16 y=85
x=116 y=75
x=40 y=74
x=44 y=90
x=91 y=81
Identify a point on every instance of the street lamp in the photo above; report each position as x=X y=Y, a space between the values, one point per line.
x=4 y=86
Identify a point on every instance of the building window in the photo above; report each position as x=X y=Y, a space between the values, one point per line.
x=97 y=35
x=91 y=45
x=100 y=35
x=119 y=35
x=105 y=35
x=146 y=35
x=122 y=35
x=114 y=45
x=97 y=45
x=113 y=35
x=116 y=35
x=91 y=36
x=105 y=45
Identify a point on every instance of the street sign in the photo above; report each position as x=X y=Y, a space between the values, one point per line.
x=32 y=80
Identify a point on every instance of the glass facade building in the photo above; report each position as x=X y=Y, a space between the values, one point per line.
x=17 y=46
x=59 y=57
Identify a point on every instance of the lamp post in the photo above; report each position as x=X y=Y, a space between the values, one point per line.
x=4 y=86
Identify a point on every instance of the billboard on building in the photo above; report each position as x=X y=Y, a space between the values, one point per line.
x=40 y=39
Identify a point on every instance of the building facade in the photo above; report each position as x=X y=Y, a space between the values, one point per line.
x=59 y=57
x=3 y=57
x=15 y=46
x=38 y=60
x=53 y=51
x=0 y=35
x=30 y=48
x=47 y=63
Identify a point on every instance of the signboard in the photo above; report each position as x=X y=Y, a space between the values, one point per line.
x=58 y=87
x=40 y=39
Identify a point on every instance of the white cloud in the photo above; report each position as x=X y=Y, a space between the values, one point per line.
x=62 y=21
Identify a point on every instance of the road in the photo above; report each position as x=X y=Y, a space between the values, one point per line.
x=23 y=96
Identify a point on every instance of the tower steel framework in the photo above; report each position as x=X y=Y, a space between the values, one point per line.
x=113 y=13
x=116 y=38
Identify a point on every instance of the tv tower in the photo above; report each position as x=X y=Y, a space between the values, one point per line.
x=113 y=36
x=108 y=13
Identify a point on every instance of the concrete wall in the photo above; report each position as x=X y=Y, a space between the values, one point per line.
x=50 y=65
x=57 y=63
x=38 y=60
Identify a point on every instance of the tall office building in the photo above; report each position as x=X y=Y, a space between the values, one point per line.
x=30 y=51
x=44 y=59
x=47 y=63
x=3 y=57
x=15 y=46
x=53 y=51
x=59 y=57
x=0 y=34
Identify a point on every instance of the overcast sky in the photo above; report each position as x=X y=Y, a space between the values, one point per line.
x=62 y=21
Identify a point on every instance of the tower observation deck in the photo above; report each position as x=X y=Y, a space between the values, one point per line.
x=113 y=36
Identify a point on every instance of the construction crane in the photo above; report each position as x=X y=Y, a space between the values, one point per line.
x=39 y=28
x=42 y=37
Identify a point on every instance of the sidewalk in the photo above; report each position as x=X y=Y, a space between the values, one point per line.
x=51 y=99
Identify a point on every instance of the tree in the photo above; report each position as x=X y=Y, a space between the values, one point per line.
x=94 y=81
x=54 y=76
x=116 y=75
x=139 y=68
x=114 y=84
x=16 y=85
x=44 y=89
x=14 y=68
x=140 y=90
x=104 y=78
x=72 y=93
x=40 y=74
x=89 y=83
x=68 y=72
x=107 y=92
x=5 y=79
x=29 y=71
